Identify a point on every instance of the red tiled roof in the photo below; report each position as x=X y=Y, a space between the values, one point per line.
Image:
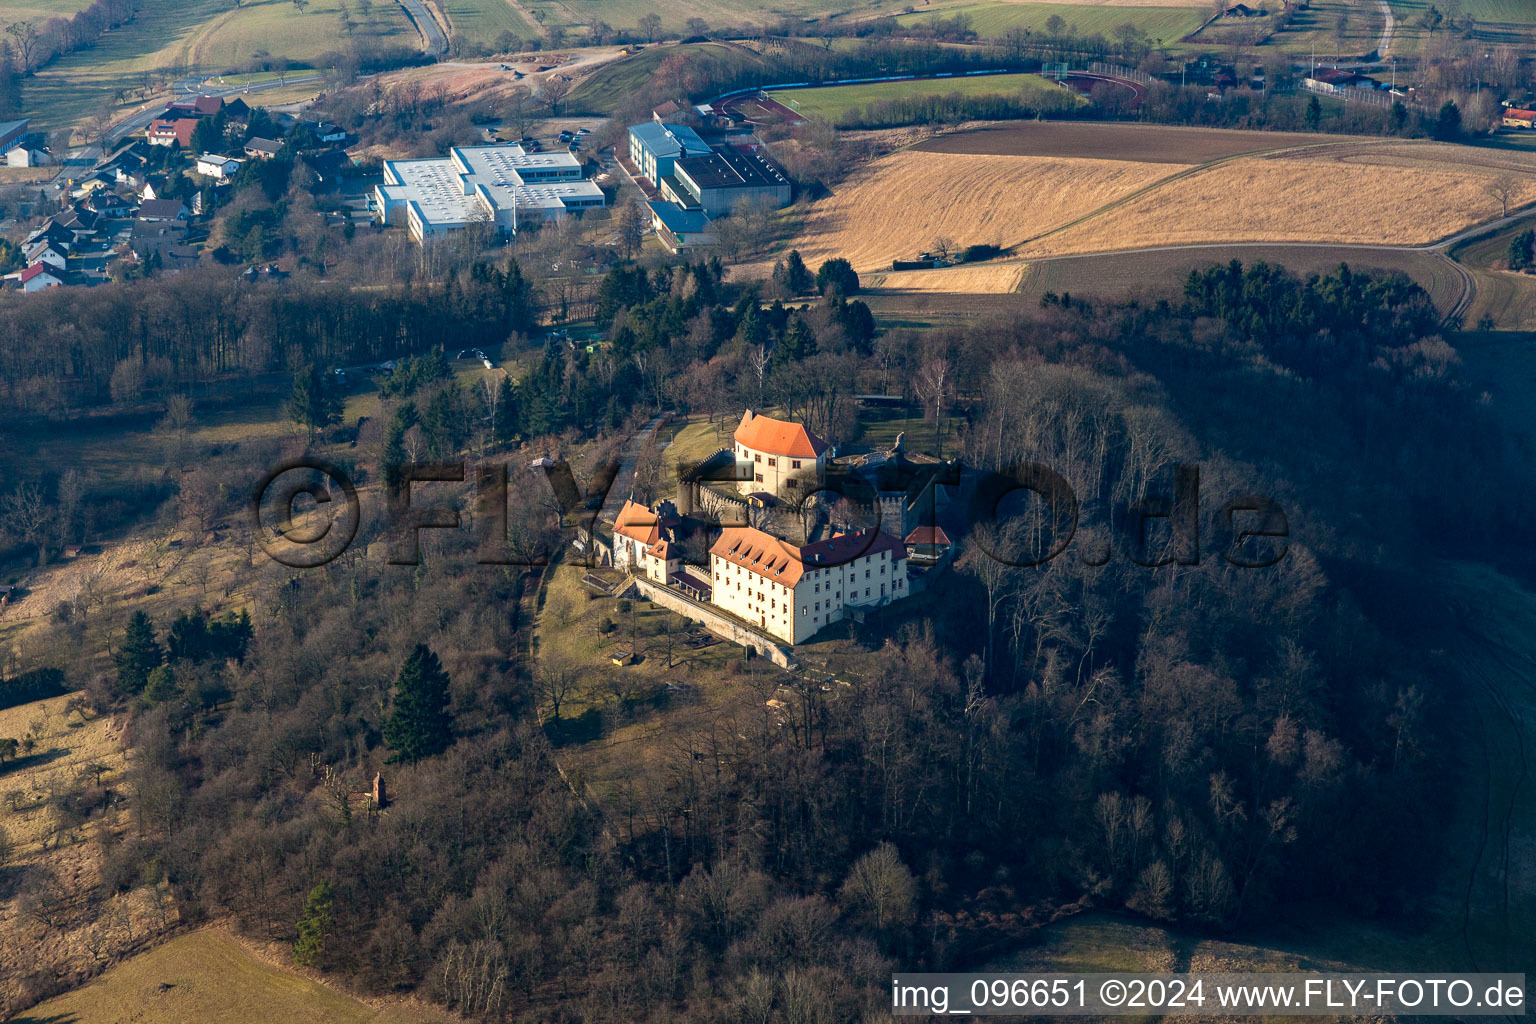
x=934 y=535
x=637 y=522
x=782 y=562
x=33 y=271
x=181 y=130
x=778 y=437
x=1520 y=114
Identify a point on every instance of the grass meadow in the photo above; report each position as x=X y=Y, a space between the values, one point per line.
x=834 y=102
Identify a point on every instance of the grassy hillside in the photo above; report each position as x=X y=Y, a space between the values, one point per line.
x=209 y=977
x=609 y=87
x=39 y=10
x=483 y=21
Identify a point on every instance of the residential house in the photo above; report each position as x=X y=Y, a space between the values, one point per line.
x=48 y=253
x=38 y=277
x=262 y=149
x=153 y=211
x=221 y=168
x=106 y=203
x=1517 y=117
x=202 y=106
x=51 y=231
x=165 y=133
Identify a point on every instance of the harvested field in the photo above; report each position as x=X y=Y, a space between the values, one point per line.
x=908 y=199
x=984 y=279
x=1116 y=276
x=1295 y=199
x=1149 y=143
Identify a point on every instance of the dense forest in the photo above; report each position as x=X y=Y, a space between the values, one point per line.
x=1200 y=744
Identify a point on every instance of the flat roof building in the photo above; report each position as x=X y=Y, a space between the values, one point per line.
x=494 y=185
x=717 y=182
x=681 y=229
x=655 y=147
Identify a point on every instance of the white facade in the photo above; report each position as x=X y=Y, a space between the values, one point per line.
x=772 y=455
x=221 y=167
x=791 y=593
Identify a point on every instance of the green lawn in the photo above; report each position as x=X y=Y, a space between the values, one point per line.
x=39 y=10
x=833 y=102
x=993 y=19
x=483 y=21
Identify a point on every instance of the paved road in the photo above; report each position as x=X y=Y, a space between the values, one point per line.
x=628 y=456
x=431 y=31
x=1385 y=44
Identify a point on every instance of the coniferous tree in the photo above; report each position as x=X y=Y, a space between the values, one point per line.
x=1448 y=122
x=162 y=685
x=420 y=726
x=314 y=926
x=1522 y=250
x=799 y=342
x=137 y=656
x=504 y=425
x=314 y=404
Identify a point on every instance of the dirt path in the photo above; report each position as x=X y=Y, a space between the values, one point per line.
x=628 y=456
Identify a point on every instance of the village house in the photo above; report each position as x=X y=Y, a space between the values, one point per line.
x=165 y=133
x=37 y=277
x=1517 y=117
x=220 y=168
x=154 y=211
x=262 y=149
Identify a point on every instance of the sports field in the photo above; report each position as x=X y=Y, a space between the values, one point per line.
x=1168 y=23
x=834 y=102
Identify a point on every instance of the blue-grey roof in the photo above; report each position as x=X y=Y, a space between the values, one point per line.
x=678 y=220
x=668 y=140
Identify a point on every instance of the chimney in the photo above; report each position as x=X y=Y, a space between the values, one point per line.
x=380 y=797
